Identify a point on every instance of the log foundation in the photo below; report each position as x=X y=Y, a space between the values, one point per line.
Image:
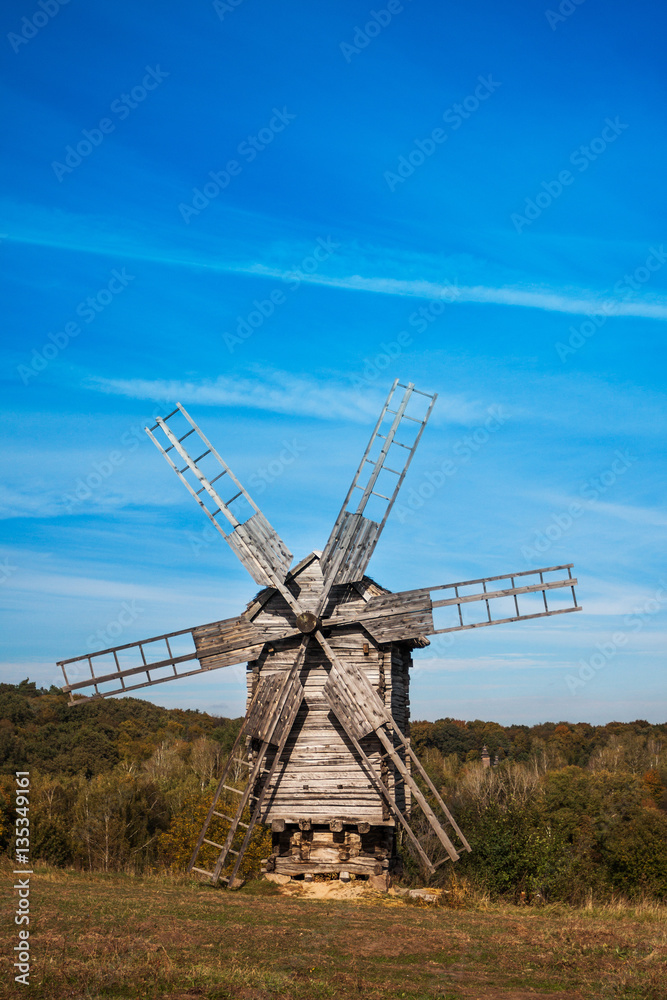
x=359 y=849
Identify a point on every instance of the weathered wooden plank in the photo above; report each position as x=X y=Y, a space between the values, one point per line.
x=397 y=628
x=263 y=706
x=393 y=805
x=347 y=819
x=356 y=866
x=509 y=592
x=345 y=708
x=218 y=660
x=288 y=713
x=257 y=544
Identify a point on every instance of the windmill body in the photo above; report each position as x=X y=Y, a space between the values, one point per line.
x=323 y=755
x=325 y=812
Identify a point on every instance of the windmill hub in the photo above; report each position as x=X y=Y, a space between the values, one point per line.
x=307 y=622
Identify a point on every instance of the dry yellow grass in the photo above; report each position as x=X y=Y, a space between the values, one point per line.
x=116 y=936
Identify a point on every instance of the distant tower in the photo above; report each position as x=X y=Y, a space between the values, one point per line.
x=486 y=759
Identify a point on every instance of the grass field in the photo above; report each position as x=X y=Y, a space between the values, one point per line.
x=111 y=936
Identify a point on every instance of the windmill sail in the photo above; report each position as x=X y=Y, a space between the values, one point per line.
x=379 y=478
x=162 y=658
x=409 y=613
x=255 y=542
x=360 y=711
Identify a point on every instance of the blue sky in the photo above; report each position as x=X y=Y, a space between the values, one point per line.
x=268 y=212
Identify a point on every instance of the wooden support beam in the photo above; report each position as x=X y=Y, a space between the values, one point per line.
x=416 y=791
x=391 y=802
x=390 y=617
x=287 y=708
x=385 y=793
x=287 y=705
x=353 y=697
x=418 y=765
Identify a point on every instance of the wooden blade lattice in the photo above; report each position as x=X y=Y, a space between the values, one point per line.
x=255 y=542
x=386 y=460
x=408 y=614
x=167 y=657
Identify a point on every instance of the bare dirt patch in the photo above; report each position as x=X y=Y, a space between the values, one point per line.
x=329 y=889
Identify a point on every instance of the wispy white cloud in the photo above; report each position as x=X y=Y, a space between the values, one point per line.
x=353 y=268
x=614 y=600
x=637 y=522
x=24 y=502
x=514 y=661
x=648 y=517
x=92 y=588
x=645 y=644
x=280 y=392
x=28 y=503
x=532 y=297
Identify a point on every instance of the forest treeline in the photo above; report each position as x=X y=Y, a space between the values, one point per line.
x=563 y=812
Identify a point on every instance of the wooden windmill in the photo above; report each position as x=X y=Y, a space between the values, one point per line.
x=323 y=748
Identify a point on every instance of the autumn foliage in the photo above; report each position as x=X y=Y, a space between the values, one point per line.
x=564 y=812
